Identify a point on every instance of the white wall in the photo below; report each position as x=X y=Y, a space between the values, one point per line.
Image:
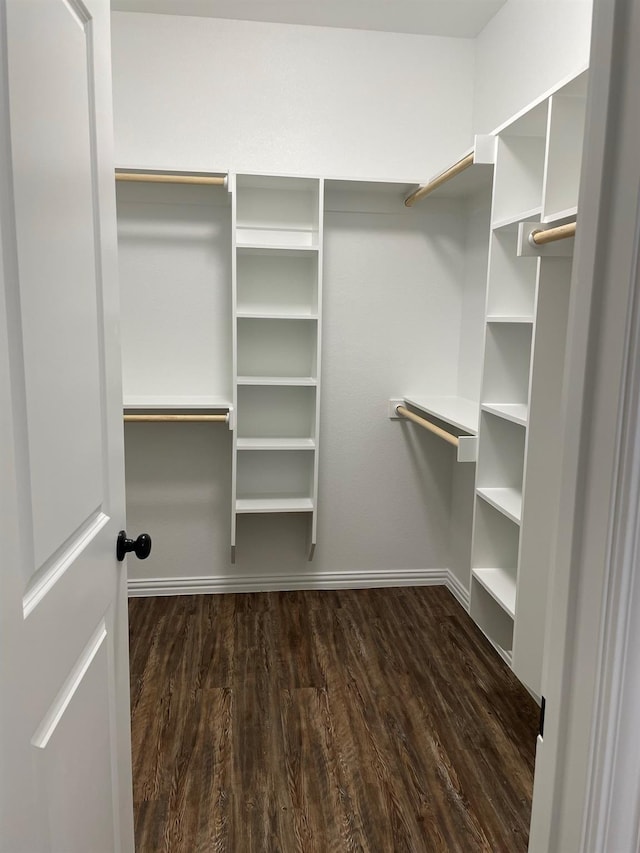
x=203 y=93
x=385 y=486
x=525 y=50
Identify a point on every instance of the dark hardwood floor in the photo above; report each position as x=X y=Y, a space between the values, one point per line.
x=365 y=720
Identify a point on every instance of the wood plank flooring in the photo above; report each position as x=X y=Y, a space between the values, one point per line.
x=361 y=720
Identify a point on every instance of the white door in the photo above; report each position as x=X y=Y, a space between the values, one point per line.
x=65 y=766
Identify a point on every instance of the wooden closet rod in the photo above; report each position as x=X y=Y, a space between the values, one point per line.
x=451 y=172
x=190 y=419
x=161 y=178
x=423 y=422
x=550 y=235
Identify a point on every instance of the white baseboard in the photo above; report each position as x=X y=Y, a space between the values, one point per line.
x=267 y=583
x=457 y=590
x=139 y=587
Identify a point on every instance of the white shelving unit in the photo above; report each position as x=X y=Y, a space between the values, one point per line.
x=536 y=180
x=277 y=299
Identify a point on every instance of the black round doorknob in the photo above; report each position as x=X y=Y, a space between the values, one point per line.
x=140 y=546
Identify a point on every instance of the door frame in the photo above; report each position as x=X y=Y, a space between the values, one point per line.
x=587 y=784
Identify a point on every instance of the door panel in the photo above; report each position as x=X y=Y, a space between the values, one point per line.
x=65 y=761
x=72 y=757
x=54 y=166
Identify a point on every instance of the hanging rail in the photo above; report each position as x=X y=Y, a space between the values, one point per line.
x=191 y=419
x=423 y=422
x=451 y=172
x=540 y=237
x=163 y=178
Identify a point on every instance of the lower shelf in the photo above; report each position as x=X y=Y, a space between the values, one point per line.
x=501 y=586
x=517 y=413
x=276 y=444
x=457 y=411
x=280 y=504
x=506 y=501
x=491 y=617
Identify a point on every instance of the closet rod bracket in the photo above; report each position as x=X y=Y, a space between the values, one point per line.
x=558 y=247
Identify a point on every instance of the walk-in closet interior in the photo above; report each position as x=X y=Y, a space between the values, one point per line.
x=329 y=239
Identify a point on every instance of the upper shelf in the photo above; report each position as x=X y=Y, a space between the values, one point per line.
x=461 y=413
x=467 y=176
x=175 y=403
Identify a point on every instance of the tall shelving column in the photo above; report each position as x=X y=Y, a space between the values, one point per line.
x=504 y=402
x=526 y=314
x=277 y=302
x=563 y=158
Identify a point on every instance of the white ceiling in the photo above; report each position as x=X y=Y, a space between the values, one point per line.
x=456 y=18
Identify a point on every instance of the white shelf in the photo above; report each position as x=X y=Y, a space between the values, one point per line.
x=276 y=380
x=244 y=505
x=558 y=215
x=179 y=403
x=265 y=315
x=457 y=411
x=501 y=586
x=531 y=213
x=279 y=245
x=274 y=251
x=276 y=444
x=508 y=501
x=517 y=413
x=510 y=318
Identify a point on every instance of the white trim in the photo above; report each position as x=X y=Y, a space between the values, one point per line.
x=317 y=580
x=587 y=786
x=458 y=591
x=614 y=785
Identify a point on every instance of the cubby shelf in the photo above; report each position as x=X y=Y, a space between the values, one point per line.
x=277 y=380
x=510 y=318
x=276 y=444
x=280 y=504
x=569 y=213
x=508 y=501
x=275 y=251
x=277 y=245
x=501 y=586
x=517 y=413
x=457 y=411
x=264 y=315
x=531 y=214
